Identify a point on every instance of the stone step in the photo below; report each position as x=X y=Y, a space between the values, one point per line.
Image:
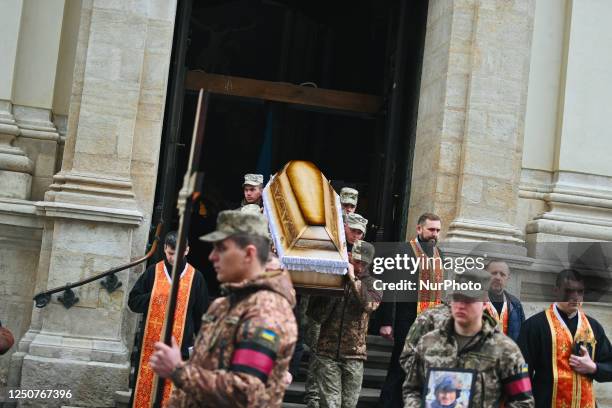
x=293 y=405
x=378 y=343
x=378 y=359
x=372 y=377
x=368 y=397
x=122 y=399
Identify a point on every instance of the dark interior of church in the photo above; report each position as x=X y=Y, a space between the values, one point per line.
x=351 y=46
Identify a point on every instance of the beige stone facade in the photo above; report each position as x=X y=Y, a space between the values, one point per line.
x=511 y=146
x=105 y=68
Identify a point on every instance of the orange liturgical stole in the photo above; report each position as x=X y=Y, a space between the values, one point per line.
x=430 y=270
x=570 y=389
x=501 y=319
x=144 y=392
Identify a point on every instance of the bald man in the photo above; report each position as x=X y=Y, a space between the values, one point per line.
x=502 y=305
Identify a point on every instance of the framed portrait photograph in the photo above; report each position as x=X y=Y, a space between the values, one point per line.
x=449 y=388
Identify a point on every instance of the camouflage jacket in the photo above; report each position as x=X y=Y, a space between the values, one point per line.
x=431 y=319
x=242 y=352
x=344 y=321
x=428 y=321
x=501 y=372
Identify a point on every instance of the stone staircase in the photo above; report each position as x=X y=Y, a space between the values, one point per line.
x=379 y=352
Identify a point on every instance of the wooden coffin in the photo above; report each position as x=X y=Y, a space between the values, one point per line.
x=305 y=219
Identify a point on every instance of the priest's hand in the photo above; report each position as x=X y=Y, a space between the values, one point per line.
x=165 y=359
x=583 y=364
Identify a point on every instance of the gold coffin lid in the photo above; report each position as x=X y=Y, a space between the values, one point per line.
x=305 y=219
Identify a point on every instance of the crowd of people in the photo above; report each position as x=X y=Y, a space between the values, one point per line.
x=467 y=348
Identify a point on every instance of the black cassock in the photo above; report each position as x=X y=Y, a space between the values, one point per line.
x=140 y=296
x=535 y=342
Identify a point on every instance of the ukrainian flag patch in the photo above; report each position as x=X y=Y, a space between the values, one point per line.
x=267 y=338
x=268 y=335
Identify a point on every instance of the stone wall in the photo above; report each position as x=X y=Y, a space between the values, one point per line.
x=96 y=119
x=19 y=252
x=99 y=205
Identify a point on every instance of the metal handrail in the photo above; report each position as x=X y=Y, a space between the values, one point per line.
x=110 y=284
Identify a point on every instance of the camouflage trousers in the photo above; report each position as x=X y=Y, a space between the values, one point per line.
x=311 y=392
x=339 y=381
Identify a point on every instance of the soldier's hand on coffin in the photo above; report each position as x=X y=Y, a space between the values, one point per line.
x=165 y=359
x=351 y=272
x=582 y=364
x=386 y=332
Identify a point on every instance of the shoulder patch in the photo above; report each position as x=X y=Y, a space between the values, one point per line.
x=256 y=355
x=266 y=338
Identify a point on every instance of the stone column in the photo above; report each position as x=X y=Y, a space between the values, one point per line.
x=15 y=167
x=99 y=205
x=494 y=122
x=578 y=197
x=471 y=123
x=471 y=113
x=469 y=139
x=37 y=61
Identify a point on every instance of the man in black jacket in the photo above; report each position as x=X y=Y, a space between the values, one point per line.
x=566 y=349
x=397 y=317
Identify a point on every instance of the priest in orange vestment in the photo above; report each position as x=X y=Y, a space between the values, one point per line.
x=565 y=349
x=150 y=296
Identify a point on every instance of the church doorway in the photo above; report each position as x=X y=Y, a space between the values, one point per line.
x=358 y=66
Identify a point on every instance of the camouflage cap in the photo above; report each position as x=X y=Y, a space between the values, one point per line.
x=232 y=222
x=446 y=384
x=349 y=196
x=251 y=208
x=363 y=251
x=253 y=179
x=354 y=220
x=473 y=283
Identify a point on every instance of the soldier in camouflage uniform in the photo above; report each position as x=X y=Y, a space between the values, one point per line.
x=446 y=392
x=470 y=339
x=348 y=199
x=242 y=352
x=354 y=229
x=252 y=189
x=428 y=321
x=251 y=208
x=341 y=349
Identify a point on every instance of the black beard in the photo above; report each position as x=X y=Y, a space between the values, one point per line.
x=428 y=246
x=426 y=241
